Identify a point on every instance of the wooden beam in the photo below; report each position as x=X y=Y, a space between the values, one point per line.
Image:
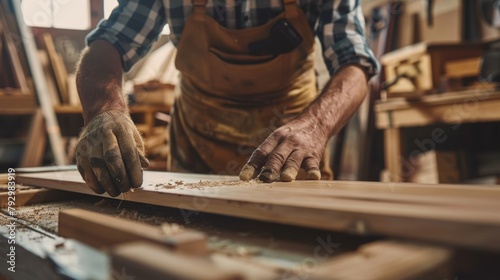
x=103 y=231
x=13 y=49
x=35 y=141
x=148 y=261
x=388 y=260
x=472 y=110
x=34 y=196
x=320 y=204
x=393 y=154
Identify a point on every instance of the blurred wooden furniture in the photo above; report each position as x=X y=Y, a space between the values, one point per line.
x=426 y=68
x=454 y=108
x=143 y=116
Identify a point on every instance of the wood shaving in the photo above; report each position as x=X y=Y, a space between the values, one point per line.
x=171 y=229
x=222 y=183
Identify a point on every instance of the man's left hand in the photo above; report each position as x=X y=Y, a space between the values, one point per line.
x=297 y=144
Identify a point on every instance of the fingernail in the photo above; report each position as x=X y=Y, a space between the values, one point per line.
x=288 y=174
x=313 y=174
x=268 y=176
x=247 y=173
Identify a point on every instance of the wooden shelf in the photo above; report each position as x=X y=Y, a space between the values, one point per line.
x=451 y=108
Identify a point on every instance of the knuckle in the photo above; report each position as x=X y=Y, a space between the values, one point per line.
x=293 y=162
x=277 y=157
x=259 y=153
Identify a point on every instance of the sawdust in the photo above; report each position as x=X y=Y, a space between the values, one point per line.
x=143 y=218
x=203 y=184
x=171 y=229
x=181 y=185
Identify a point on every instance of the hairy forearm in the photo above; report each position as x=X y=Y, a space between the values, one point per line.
x=99 y=80
x=339 y=99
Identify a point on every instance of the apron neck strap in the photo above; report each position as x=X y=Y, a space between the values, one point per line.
x=199 y=6
x=290 y=6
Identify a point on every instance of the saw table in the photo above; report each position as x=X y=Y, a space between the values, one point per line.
x=187 y=226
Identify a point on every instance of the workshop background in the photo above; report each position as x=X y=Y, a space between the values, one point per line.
x=432 y=117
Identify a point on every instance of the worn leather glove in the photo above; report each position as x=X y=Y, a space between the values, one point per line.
x=298 y=144
x=110 y=154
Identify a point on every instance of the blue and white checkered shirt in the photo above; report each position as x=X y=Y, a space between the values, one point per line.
x=135 y=25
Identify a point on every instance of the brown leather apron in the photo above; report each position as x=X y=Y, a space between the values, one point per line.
x=228 y=101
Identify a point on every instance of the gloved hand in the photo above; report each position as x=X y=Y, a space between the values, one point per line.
x=298 y=144
x=110 y=154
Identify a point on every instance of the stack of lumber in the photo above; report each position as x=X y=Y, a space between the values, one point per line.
x=462 y=216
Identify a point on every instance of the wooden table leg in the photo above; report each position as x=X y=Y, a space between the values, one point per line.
x=393 y=154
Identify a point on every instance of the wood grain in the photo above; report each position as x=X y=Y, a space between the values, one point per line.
x=103 y=231
x=456 y=215
x=147 y=261
x=388 y=260
x=34 y=196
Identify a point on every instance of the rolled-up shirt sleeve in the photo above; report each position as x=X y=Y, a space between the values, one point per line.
x=341 y=31
x=132 y=28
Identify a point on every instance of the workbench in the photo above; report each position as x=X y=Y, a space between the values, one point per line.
x=453 y=108
x=250 y=230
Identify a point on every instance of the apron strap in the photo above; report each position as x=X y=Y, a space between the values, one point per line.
x=199 y=6
x=290 y=7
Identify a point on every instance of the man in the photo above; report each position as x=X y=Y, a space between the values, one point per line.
x=247 y=85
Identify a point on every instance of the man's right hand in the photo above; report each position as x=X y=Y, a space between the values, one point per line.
x=110 y=154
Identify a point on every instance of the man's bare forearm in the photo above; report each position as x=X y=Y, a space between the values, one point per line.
x=99 y=80
x=339 y=99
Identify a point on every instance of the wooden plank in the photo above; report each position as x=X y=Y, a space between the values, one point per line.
x=388 y=260
x=49 y=77
x=148 y=261
x=12 y=49
x=315 y=204
x=57 y=66
x=393 y=154
x=4 y=178
x=103 y=231
x=35 y=141
x=469 y=111
x=438 y=99
x=35 y=196
x=463 y=68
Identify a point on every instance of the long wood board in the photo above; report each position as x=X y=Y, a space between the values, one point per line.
x=447 y=214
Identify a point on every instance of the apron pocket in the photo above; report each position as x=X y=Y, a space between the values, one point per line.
x=235 y=74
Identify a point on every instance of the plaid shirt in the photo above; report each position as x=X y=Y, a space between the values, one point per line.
x=135 y=25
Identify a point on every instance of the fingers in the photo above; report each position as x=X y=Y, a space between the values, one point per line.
x=258 y=159
x=248 y=172
x=292 y=166
x=83 y=164
x=100 y=170
x=131 y=157
x=311 y=166
x=114 y=163
x=271 y=170
x=144 y=160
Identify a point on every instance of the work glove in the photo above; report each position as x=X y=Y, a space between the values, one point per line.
x=110 y=154
x=298 y=144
